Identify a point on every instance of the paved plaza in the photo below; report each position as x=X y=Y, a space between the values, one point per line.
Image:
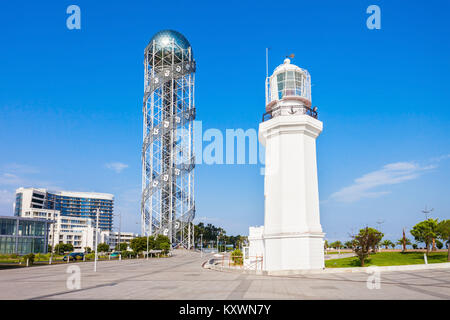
x=182 y=277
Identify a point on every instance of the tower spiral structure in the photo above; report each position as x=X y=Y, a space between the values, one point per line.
x=167 y=203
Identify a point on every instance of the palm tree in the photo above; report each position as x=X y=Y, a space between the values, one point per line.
x=336 y=244
x=387 y=243
x=349 y=244
x=407 y=242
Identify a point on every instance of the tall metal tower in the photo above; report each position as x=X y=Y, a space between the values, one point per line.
x=167 y=204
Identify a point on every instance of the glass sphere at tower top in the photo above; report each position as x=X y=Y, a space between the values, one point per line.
x=165 y=41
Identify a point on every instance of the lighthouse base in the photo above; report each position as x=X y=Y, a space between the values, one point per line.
x=289 y=252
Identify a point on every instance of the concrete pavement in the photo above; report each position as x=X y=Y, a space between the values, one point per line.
x=182 y=277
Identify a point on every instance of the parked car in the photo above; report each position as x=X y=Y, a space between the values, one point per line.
x=115 y=254
x=74 y=256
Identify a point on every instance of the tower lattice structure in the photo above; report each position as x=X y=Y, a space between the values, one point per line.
x=167 y=204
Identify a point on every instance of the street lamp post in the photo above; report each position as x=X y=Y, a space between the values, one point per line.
x=96 y=241
x=201 y=245
x=53 y=232
x=53 y=238
x=120 y=228
x=147 y=242
x=217 y=244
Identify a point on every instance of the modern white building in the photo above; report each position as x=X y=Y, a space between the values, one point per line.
x=80 y=232
x=112 y=238
x=68 y=203
x=292 y=234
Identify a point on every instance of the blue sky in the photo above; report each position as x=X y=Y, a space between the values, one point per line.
x=71 y=102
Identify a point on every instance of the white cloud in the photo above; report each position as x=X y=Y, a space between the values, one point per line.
x=441 y=158
x=116 y=166
x=10 y=179
x=393 y=173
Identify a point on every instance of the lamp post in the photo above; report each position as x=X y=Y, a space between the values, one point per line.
x=147 y=242
x=53 y=238
x=120 y=228
x=380 y=222
x=53 y=232
x=217 y=244
x=119 y=236
x=96 y=241
x=201 y=245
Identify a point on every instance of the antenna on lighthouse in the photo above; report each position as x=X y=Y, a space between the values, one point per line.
x=267 y=75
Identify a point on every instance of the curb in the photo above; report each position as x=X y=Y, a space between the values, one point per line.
x=411 y=267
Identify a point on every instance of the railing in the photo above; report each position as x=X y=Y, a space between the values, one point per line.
x=291 y=110
x=239 y=262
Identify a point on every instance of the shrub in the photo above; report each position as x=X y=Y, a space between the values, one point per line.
x=29 y=257
x=237 y=257
x=165 y=247
x=90 y=256
x=128 y=254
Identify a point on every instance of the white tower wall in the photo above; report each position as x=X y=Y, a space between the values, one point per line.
x=293 y=237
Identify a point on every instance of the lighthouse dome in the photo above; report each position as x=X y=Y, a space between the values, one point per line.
x=289 y=81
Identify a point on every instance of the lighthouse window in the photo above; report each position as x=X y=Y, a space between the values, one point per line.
x=290 y=83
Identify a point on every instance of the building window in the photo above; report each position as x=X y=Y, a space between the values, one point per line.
x=18 y=204
x=8 y=227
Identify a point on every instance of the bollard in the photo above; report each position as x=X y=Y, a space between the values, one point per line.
x=27 y=262
x=109 y=257
x=120 y=257
x=425 y=258
x=84 y=257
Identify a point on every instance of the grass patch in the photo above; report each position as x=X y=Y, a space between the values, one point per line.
x=388 y=259
x=336 y=252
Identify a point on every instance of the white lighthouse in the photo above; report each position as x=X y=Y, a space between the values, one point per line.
x=292 y=236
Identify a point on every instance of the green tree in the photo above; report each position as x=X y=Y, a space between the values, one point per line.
x=122 y=246
x=439 y=244
x=336 y=244
x=139 y=244
x=349 y=244
x=103 y=247
x=425 y=231
x=386 y=243
x=443 y=231
x=407 y=242
x=60 y=248
x=49 y=248
x=325 y=244
x=414 y=245
x=87 y=249
x=375 y=237
x=366 y=239
x=161 y=240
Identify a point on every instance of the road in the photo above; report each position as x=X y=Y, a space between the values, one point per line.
x=182 y=277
